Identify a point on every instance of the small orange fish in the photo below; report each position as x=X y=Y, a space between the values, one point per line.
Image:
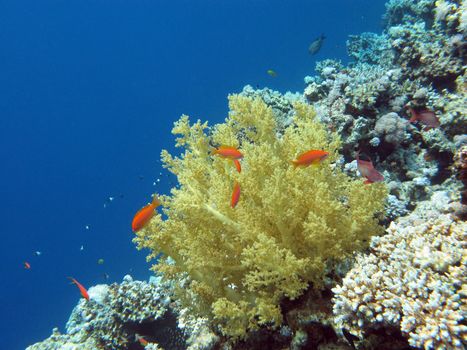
x=27 y=265
x=310 y=157
x=228 y=152
x=143 y=216
x=141 y=340
x=238 y=165
x=83 y=291
x=235 y=195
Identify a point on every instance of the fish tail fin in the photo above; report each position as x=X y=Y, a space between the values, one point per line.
x=294 y=164
x=73 y=281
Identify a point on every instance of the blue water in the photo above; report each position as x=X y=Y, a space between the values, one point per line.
x=89 y=91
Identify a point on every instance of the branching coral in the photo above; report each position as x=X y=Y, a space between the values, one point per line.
x=237 y=264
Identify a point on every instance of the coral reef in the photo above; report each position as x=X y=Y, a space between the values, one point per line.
x=460 y=166
x=392 y=129
x=264 y=274
x=280 y=104
x=415 y=279
x=418 y=61
x=229 y=271
x=370 y=48
x=113 y=316
x=288 y=225
x=407 y=11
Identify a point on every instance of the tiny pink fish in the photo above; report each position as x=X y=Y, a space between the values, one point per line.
x=366 y=168
x=425 y=116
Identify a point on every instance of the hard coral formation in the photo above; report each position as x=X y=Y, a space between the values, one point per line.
x=408 y=11
x=112 y=317
x=288 y=225
x=370 y=48
x=392 y=128
x=418 y=61
x=281 y=104
x=460 y=166
x=414 y=279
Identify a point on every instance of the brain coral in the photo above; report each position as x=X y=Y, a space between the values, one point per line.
x=415 y=279
x=234 y=265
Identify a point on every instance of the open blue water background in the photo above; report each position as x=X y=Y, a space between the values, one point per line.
x=89 y=91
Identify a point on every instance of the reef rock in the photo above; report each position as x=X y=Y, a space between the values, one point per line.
x=116 y=313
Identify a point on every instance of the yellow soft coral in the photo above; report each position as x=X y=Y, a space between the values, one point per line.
x=236 y=264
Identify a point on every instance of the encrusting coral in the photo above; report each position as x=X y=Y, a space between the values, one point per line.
x=234 y=265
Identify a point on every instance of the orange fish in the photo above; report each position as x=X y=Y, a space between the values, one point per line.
x=141 y=340
x=237 y=165
x=143 y=216
x=27 y=265
x=366 y=168
x=228 y=152
x=83 y=291
x=235 y=195
x=310 y=157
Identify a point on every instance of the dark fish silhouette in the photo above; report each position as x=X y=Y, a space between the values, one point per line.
x=350 y=337
x=316 y=44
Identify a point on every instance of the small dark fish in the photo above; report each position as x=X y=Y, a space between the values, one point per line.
x=316 y=44
x=350 y=337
